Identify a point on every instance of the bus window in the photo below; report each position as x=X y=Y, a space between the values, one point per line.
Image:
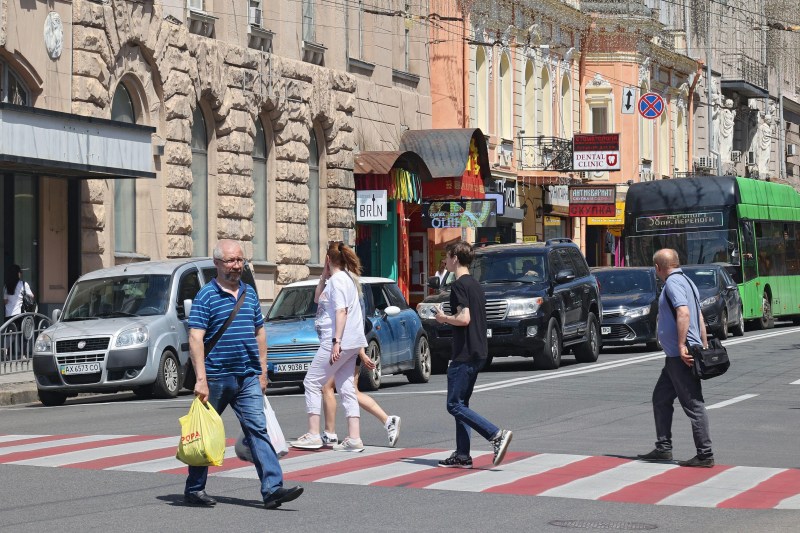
x=771 y=252
x=790 y=240
x=748 y=251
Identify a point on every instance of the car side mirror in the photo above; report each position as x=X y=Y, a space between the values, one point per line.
x=392 y=310
x=565 y=275
x=55 y=315
x=434 y=283
x=187 y=307
x=731 y=287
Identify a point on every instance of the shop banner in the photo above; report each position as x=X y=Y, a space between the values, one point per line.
x=617 y=220
x=595 y=152
x=592 y=210
x=459 y=214
x=371 y=206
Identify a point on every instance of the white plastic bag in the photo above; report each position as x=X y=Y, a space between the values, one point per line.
x=275 y=436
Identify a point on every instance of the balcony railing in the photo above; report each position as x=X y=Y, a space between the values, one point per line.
x=739 y=67
x=544 y=153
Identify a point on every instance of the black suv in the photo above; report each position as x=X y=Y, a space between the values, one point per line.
x=540 y=299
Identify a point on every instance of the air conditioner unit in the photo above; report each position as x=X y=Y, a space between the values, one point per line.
x=255 y=16
x=751 y=158
x=736 y=156
x=791 y=149
x=195 y=5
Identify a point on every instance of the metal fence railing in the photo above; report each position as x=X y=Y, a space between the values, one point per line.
x=17 y=336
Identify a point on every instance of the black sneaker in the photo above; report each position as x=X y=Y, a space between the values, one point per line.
x=454 y=461
x=500 y=444
x=199 y=498
x=282 y=495
x=656 y=455
x=697 y=462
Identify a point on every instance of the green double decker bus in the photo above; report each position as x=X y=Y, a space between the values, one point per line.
x=750 y=226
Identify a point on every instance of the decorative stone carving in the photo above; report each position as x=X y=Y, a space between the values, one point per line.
x=53 y=35
x=599 y=82
x=644 y=71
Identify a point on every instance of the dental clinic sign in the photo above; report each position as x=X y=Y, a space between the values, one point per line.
x=595 y=152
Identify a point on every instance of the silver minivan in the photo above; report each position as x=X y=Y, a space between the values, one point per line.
x=123 y=328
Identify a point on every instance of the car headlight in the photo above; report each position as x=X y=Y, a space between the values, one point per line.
x=709 y=301
x=636 y=312
x=523 y=307
x=44 y=344
x=131 y=337
x=427 y=311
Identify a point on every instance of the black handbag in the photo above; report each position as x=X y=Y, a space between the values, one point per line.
x=28 y=303
x=710 y=362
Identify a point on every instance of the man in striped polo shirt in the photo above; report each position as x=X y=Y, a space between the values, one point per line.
x=234 y=372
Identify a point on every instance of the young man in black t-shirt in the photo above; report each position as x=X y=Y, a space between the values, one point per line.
x=470 y=348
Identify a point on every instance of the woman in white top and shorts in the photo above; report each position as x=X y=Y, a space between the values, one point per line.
x=13 y=289
x=340 y=326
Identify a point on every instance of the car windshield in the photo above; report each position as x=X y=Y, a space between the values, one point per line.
x=119 y=296
x=497 y=268
x=296 y=302
x=704 y=278
x=624 y=281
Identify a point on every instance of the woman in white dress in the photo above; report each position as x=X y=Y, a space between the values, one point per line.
x=13 y=289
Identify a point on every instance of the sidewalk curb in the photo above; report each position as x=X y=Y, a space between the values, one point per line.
x=18 y=397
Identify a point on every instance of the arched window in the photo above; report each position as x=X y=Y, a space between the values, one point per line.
x=663 y=145
x=199 y=183
x=12 y=88
x=645 y=131
x=529 y=102
x=124 y=189
x=680 y=142
x=566 y=108
x=506 y=107
x=481 y=90
x=260 y=199
x=313 y=200
x=546 y=103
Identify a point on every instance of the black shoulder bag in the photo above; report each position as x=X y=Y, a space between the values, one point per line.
x=221 y=331
x=708 y=362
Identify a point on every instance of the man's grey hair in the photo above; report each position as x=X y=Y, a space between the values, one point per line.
x=217 y=253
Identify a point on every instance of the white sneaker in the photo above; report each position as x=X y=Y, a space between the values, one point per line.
x=393 y=429
x=329 y=439
x=307 y=442
x=349 y=445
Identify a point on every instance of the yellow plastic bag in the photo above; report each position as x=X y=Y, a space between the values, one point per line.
x=202 y=436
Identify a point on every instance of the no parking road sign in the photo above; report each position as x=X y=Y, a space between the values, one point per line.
x=651 y=105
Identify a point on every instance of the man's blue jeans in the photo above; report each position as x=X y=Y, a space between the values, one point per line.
x=243 y=394
x=460 y=381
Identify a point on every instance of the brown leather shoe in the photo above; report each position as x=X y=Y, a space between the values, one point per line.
x=656 y=455
x=697 y=462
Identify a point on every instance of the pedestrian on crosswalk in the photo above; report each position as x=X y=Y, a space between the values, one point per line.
x=340 y=327
x=680 y=325
x=234 y=371
x=365 y=402
x=470 y=349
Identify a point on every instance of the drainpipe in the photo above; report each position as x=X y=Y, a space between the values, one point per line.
x=465 y=67
x=687 y=29
x=690 y=105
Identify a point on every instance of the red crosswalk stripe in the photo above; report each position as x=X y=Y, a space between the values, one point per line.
x=351 y=465
x=538 y=483
x=766 y=494
x=660 y=486
x=55 y=450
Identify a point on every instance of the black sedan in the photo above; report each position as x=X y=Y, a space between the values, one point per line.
x=719 y=299
x=630 y=305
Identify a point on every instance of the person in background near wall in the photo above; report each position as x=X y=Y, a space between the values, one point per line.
x=470 y=349
x=12 y=291
x=340 y=327
x=365 y=402
x=442 y=272
x=680 y=325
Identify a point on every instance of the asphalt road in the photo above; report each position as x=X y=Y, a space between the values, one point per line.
x=601 y=410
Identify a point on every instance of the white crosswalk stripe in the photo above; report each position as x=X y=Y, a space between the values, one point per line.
x=721 y=487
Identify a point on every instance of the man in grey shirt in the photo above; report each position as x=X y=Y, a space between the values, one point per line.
x=680 y=325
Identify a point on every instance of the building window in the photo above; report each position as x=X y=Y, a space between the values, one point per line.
x=546 y=104
x=599 y=119
x=12 y=89
x=260 y=199
x=481 y=90
x=506 y=109
x=124 y=189
x=529 y=103
x=566 y=108
x=313 y=200
x=199 y=183
x=680 y=142
x=309 y=29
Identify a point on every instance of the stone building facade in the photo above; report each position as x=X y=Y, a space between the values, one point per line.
x=248 y=74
